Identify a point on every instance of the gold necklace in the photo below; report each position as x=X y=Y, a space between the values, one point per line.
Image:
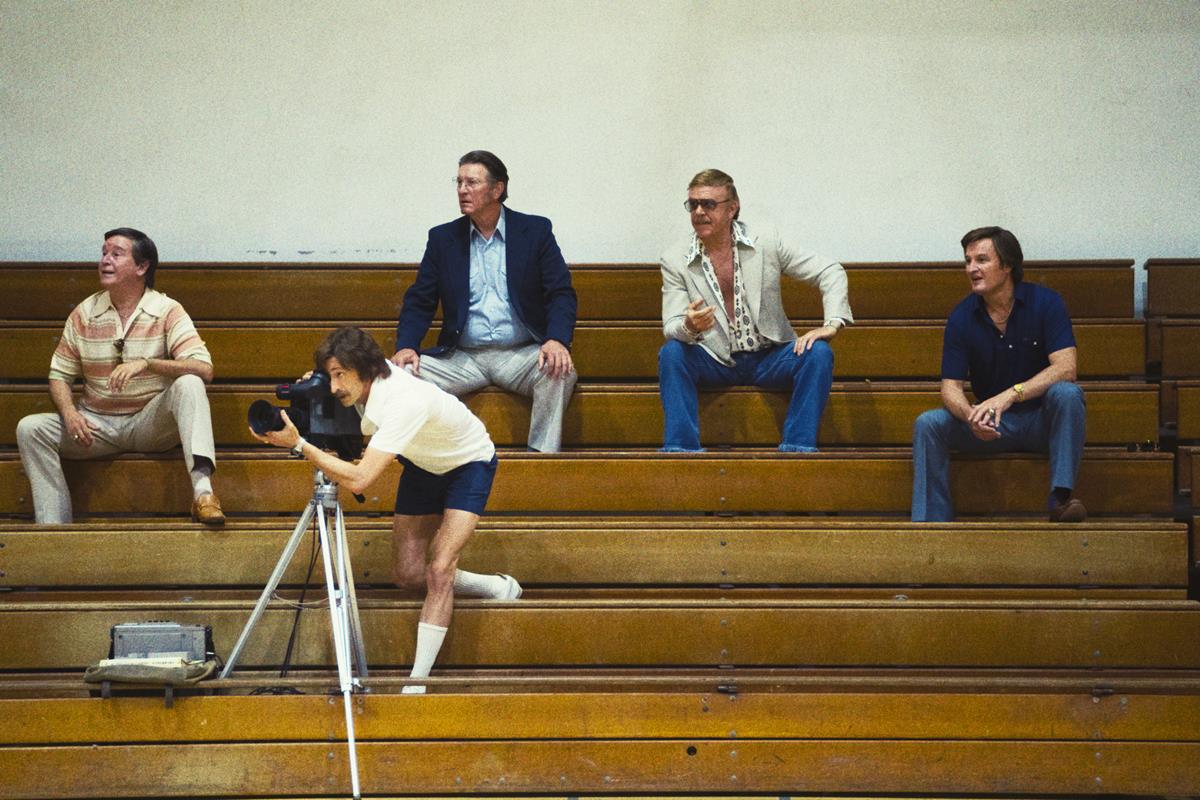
x=1007 y=313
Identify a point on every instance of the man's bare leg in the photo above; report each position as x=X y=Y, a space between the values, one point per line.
x=418 y=538
x=411 y=536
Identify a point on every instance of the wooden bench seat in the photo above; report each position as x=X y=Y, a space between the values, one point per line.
x=602 y=350
x=1188 y=399
x=70 y=630
x=1175 y=344
x=1173 y=287
x=607 y=415
x=599 y=552
x=1113 y=482
x=1126 y=739
x=236 y=292
x=1187 y=473
x=1179 y=407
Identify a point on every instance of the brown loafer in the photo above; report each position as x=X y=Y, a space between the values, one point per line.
x=207 y=509
x=1070 y=511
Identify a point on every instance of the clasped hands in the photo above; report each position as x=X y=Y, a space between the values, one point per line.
x=984 y=418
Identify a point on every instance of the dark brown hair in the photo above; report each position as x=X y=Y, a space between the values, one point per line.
x=354 y=349
x=491 y=162
x=1008 y=249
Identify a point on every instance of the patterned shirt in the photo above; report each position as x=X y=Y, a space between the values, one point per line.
x=93 y=344
x=743 y=333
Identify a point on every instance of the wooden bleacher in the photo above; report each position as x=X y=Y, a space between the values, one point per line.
x=1027 y=647
x=1173 y=287
x=883 y=364
x=1173 y=317
x=224 y=292
x=623 y=351
x=1173 y=345
x=873 y=481
x=1187 y=409
x=1043 y=735
x=1118 y=560
x=859 y=414
x=735 y=623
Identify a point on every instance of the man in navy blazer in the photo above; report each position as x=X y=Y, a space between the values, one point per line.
x=508 y=308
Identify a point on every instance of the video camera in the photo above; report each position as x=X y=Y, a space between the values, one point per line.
x=315 y=412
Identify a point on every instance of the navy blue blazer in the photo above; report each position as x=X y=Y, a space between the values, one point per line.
x=539 y=284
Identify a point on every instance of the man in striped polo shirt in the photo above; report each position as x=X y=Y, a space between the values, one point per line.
x=144 y=368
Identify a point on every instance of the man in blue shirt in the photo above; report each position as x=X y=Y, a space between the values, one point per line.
x=508 y=307
x=1013 y=341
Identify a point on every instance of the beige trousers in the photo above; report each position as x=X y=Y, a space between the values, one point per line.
x=180 y=415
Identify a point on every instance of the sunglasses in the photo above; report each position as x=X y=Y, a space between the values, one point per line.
x=706 y=204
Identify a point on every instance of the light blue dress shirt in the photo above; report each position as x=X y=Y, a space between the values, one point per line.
x=491 y=320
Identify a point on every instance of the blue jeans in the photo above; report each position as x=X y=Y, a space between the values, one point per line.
x=1056 y=426
x=682 y=368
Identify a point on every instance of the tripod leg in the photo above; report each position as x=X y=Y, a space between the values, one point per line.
x=272 y=583
x=340 y=627
x=346 y=576
x=339 y=624
x=350 y=743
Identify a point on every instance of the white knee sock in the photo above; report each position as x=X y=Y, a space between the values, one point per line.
x=429 y=642
x=200 y=473
x=472 y=584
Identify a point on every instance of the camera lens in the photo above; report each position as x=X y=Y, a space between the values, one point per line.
x=264 y=417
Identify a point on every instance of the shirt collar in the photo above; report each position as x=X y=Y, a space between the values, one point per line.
x=499 y=232
x=151 y=302
x=1020 y=296
x=375 y=398
x=738 y=231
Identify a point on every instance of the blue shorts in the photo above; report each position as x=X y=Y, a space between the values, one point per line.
x=465 y=488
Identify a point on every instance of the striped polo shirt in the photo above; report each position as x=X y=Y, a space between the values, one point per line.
x=93 y=344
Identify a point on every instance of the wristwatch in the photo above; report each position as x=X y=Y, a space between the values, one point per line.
x=1019 y=388
x=837 y=323
x=298 y=447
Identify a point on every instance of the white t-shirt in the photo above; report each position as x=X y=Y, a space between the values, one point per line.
x=412 y=418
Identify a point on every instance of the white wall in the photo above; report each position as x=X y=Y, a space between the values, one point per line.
x=872 y=130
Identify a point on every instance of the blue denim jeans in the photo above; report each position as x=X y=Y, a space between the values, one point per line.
x=683 y=368
x=1055 y=427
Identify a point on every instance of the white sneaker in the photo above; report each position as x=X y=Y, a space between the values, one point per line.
x=512 y=589
x=411 y=689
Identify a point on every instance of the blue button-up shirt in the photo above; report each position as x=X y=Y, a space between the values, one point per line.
x=491 y=319
x=974 y=348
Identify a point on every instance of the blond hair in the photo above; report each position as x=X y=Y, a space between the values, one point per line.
x=715 y=178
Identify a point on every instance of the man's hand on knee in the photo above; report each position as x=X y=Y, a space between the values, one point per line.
x=554 y=359
x=805 y=342
x=407 y=356
x=79 y=428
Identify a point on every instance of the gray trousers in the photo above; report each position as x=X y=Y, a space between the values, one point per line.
x=180 y=415
x=515 y=369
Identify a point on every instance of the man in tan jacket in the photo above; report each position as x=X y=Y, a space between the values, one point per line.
x=724 y=321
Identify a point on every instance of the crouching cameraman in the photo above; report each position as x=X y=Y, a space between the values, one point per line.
x=449 y=462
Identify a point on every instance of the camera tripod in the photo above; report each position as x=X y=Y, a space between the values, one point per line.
x=343 y=603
